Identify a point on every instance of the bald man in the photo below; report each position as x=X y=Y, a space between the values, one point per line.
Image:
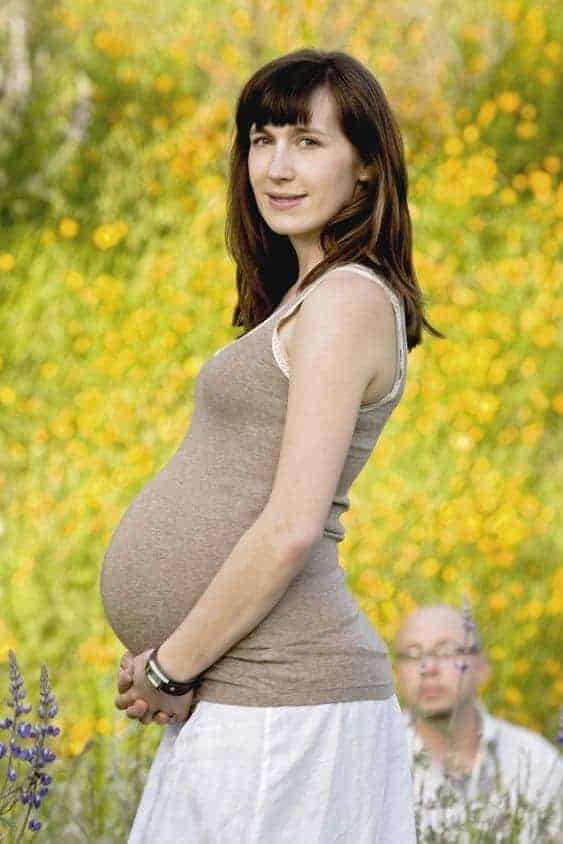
x=459 y=751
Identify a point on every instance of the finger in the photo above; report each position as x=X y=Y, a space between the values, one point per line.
x=137 y=709
x=124 y=680
x=124 y=683
x=147 y=718
x=126 y=660
x=126 y=699
x=161 y=718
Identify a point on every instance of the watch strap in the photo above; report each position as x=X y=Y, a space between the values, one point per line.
x=158 y=678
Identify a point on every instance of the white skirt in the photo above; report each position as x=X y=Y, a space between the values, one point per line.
x=335 y=773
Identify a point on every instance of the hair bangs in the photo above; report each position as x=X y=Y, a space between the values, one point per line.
x=282 y=98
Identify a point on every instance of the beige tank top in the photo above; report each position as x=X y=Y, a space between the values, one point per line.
x=316 y=645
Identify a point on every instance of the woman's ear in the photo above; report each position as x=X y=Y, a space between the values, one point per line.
x=367 y=173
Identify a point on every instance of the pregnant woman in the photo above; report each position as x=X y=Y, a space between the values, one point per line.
x=222 y=578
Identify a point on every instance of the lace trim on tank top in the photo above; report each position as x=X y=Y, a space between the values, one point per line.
x=400 y=331
x=264 y=322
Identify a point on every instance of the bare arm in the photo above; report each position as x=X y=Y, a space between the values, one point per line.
x=246 y=588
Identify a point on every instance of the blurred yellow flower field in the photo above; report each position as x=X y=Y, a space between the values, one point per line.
x=116 y=287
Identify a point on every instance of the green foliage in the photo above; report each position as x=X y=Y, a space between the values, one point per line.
x=114 y=288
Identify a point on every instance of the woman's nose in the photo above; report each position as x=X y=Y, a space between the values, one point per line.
x=280 y=166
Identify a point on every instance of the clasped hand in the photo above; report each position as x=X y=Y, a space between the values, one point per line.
x=141 y=700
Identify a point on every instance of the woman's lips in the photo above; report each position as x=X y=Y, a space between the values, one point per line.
x=285 y=203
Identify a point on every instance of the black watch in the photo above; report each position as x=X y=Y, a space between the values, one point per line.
x=158 y=678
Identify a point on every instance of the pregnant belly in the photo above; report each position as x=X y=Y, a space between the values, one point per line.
x=160 y=559
x=146 y=593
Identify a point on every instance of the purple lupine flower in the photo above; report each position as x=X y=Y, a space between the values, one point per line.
x=469 y=627
x=468 y=622
x=34 y=788
x=462 y=665
x=25 y=729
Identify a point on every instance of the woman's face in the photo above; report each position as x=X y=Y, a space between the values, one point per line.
x=321 y=164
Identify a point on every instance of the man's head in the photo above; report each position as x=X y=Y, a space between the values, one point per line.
x=436 y=684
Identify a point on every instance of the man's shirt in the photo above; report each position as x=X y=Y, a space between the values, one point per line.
x=510 y=760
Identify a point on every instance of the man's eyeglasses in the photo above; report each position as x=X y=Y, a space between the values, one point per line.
x=445 y=653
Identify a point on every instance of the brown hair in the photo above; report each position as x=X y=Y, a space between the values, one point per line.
x=374 y=229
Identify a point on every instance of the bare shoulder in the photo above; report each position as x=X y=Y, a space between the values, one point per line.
x=346 y=285
x=349 y=307
x=351 y=304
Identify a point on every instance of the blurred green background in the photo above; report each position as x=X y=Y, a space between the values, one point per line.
x=115 y=286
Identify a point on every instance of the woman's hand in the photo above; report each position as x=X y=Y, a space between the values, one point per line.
x=141 y=700
x=140 y=708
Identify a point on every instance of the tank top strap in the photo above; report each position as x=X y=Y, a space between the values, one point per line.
x=398 y=305
x=400 y=321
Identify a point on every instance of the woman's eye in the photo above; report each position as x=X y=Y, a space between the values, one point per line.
x=263 y=138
